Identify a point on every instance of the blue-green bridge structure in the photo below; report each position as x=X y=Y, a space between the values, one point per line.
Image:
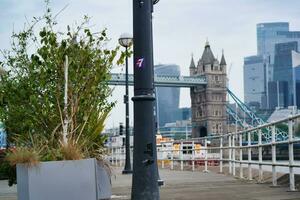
x=209 y=92
x=200 y=81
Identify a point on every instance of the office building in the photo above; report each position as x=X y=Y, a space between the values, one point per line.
x=167 y=97
x=283 y=70
x=272 y=63
x=267 y=36
x=184 y=114
x=254 y=80
x=278 y=94
x=270 y=34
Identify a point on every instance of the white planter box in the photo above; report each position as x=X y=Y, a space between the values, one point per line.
x=63 y=180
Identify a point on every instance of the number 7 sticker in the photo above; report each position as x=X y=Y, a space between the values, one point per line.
x=140 y=63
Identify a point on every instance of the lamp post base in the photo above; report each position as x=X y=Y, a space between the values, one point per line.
x=125 y=171
x=160 y=182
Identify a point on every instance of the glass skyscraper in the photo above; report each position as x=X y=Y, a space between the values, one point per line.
x=283 y=70
x=267 y=37
x=272 y=40
x=167 y=97
x=254 y=79
x=278 y=94
x=270 y=34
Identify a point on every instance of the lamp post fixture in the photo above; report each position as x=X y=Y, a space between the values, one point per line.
x=125 y=40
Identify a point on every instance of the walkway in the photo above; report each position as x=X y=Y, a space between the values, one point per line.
x=7 y=193
x=187 y=185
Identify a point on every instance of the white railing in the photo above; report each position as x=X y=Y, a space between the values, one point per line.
x=233 y=151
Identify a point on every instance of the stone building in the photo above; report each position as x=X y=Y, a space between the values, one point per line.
x=209 y=102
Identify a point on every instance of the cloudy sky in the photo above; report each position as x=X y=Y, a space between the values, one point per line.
x=180 y=29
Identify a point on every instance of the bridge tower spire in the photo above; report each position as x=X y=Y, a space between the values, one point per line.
x=223 y=62
x=209 y=102
x=192 y=65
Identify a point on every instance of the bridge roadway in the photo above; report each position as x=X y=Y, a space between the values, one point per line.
x=162 y=81
x=187 y=185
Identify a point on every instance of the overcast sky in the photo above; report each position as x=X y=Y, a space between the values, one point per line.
x=180 y=29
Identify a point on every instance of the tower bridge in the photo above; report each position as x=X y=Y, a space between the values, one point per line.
x=207 y=82
x=209 y=103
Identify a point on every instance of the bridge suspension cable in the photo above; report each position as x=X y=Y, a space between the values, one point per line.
x=236 y=117
x=257 y=121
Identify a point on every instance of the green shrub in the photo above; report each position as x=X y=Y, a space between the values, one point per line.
x=32 y=92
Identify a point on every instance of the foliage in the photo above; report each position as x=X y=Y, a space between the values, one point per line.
x=282 y=127
x=9 y=172
x=297 y=128
x=23 y=155
x=71 y=151
x=32 y=91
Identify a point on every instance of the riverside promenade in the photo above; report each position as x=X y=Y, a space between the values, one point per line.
x=187 y=185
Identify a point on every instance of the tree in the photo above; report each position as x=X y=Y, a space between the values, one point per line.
x=32 y=90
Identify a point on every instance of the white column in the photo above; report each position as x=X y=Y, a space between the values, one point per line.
x=260 y=171
x=221 y=154
x=206 y=156
x=181 y=156
x=193 y=156
x=241 y=155
x=274 y=174
x=291 y=157
x=249 y=157
x=229 y=152
x=233 y=155
x=172 y=156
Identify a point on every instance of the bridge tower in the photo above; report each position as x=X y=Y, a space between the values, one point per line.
x=209 y=102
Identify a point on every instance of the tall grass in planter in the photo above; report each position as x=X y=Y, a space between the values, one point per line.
x=54 y=92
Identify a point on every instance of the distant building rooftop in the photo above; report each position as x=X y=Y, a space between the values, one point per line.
x=279 y=114
x=253 y=59
x=272 y=24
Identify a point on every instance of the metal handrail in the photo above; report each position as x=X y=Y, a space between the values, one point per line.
x=228 y=146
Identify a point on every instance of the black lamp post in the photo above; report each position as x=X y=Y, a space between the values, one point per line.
x=145 y=172
x=125 y=40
